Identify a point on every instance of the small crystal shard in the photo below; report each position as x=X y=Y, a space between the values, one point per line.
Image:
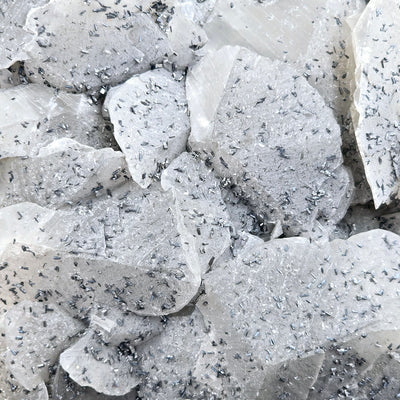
x=151 y=125
x=376 y=46
x=115 y=42
x=289 y=171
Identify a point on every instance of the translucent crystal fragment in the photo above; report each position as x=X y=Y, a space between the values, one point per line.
x=107 y=369
x=35 y=335
x=63 y=172
x=115 y=42
x=32 y=116
x=60 y=230
x=151 y=124
x=199 y=206
x=275 y=140
x=14 y=39
x=284 y=298
x=376 y=100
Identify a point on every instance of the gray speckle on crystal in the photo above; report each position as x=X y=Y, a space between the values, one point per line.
x=201 y=211
x=64 y=172
x=35 y=335
x=151 y=125
x=376 y=100
x=32 y=116
x=275 y=140
x=115 y=42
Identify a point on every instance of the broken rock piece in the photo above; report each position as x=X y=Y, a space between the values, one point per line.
x=63 y=172
x=32 y=116
x=35 y=335
x=285 y=298
x=14 y=39
x=199 y=206
x=115 y=42
x=107 y=369
x=151 y=125
x=376 y=48
x=276 y=141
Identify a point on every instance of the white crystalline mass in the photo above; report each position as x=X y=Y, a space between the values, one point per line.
x=274 y=139
x=32 y=116
x=284 y=298
x=35 y=335
x=60 y=230
x=376 y=39
x=115 y=42
x=62 y=173
x=14 y=39
x=151 y=125
x=199 y=205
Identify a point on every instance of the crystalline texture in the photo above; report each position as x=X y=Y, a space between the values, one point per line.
x=376 y=46
x=151 y=125
x=115 y=42
x=275 y=140
x=32 y=116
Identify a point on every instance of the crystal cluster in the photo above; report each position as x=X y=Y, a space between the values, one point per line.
x=199 y=199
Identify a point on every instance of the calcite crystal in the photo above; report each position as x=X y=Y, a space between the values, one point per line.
x=115 y=42
x=151 y=125
x=376 y=100
x=32 y=116
x=62 y=173
x=241 y=124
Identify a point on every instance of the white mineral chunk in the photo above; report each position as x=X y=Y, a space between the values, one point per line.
x=32 y=116
x=64 y=388
x=107 y=369
x=36 y=334
x=60 y=230
x=63 y=172
x=349 y=368
x=275 y=140
x=151 y=124
x=14 y=39
x=283 y=298
x=115 y=42
x=376 y=40
x=199 y=206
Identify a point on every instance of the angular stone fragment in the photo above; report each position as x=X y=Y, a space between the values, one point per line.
x=199 y=205
x=275 y=140
x=35 y=335
x=151 y=125
x=354 y=367
x=14 y=39
x=376 y=48
x=284 y=298
x=61 y=230
x=107 y=369
x=32 y=116
x=63 y=172
x=115 y=42
x=64 y=388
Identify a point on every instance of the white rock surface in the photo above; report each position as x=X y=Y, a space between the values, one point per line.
x=115 y=42
x=276 y=141
x=199 y=206
x=376 y=46
x=32 y=116
x=151 y=124
x=35 y=335
x=64 y=172
x=14 y=39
